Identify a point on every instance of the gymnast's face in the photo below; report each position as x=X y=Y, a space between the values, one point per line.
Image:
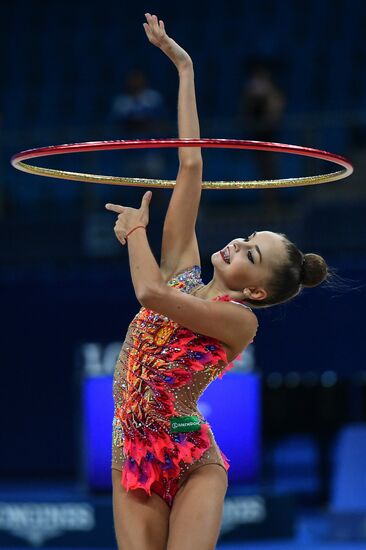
x=246 y=264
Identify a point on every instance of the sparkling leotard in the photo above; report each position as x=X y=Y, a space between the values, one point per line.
x=161 y=371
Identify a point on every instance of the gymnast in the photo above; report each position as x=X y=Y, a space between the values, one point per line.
x=169 y=475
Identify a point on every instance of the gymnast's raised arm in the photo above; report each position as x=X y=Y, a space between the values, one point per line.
x=224 y=321
x=179 y=244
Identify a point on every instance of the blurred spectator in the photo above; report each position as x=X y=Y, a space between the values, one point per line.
x=138 y=113
x=138 y=108
x=262 y=106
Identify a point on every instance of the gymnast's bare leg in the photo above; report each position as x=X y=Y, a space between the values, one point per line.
x=141 y=521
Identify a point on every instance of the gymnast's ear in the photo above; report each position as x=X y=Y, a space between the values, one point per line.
x=254 y=293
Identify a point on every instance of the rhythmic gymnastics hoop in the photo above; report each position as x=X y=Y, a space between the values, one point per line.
x=17 y=162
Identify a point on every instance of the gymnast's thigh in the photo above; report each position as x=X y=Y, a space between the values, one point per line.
x=212 y=455
x=141 y=521
x=196 y=513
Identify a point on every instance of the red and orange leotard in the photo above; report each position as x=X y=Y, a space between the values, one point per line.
x=161 y=371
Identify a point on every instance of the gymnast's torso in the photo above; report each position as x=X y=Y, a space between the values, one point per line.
x=159 y=435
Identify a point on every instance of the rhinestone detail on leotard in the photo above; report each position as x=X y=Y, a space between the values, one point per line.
x=188 y=280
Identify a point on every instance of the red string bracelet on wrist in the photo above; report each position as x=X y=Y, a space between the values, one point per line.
x=129 y=233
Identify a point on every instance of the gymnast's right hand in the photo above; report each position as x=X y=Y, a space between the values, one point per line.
x=155 y=32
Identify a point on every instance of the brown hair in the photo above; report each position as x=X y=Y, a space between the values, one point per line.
x=288 y=279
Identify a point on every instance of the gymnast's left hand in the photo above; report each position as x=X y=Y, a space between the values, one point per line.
x=128 y=218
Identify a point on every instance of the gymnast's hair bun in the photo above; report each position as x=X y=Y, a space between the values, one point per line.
x=314 y=270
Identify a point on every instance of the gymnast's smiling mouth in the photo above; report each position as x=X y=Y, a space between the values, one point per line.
x=225 y=254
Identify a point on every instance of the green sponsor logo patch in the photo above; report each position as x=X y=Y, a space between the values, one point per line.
x=179 y=424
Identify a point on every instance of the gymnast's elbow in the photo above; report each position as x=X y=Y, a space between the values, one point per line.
x=190 y=161
x=149 y=297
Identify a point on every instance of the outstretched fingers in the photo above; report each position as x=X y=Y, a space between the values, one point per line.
x=115 y=208
x=152 y=20
x=155 y=29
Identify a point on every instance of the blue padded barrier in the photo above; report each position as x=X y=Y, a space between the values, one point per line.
x=349 y=479
x=295 y=464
